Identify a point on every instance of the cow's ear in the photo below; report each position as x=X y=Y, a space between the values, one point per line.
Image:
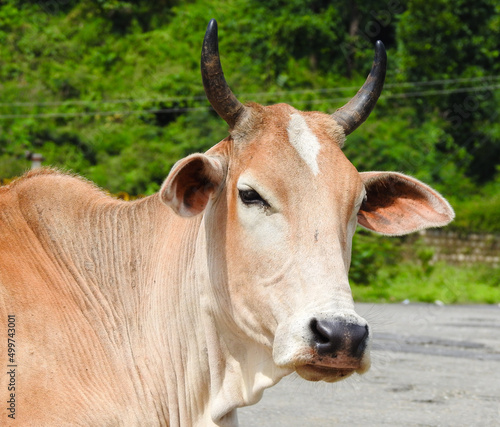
x=397 y=204
x=191 y=182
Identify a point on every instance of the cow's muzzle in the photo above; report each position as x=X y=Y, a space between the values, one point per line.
x=339 y=348
x=325 y=347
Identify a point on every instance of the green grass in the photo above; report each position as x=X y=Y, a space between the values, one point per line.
x=421 y=282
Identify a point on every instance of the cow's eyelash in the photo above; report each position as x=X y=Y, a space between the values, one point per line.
x=252 y=197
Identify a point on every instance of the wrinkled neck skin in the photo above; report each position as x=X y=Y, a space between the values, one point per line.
x=139 y=277
x=187 y=349
x=191 y=356
x=240 y=368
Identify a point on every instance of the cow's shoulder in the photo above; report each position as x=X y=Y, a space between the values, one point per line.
x=53 y=183
x=56 y=192
x=50 y=205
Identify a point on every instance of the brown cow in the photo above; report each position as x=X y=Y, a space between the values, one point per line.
x=181 y=307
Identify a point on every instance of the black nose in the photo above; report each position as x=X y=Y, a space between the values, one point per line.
x=332 y=336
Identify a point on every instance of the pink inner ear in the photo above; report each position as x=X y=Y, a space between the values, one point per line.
x=196 y=196
x=397 y=204
x=189 y=185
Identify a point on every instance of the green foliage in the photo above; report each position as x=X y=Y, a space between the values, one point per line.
x=457 y=40
x=480 y=212
x=75 y=58
x=390 y=269
x=371 y=253
x=402 y=145
x=449 y=284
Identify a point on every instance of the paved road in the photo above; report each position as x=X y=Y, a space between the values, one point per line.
x=431 y=366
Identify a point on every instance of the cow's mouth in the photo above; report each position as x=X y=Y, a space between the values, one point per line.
x=331 y=370
x=324 y=373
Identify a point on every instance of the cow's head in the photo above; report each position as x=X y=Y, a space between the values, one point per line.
x=281 y=204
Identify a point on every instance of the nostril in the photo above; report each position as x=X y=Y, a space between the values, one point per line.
x=319 y=334
x=327 y=337
x=359 y=335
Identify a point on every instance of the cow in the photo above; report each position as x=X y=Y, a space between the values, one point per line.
x=179 y=308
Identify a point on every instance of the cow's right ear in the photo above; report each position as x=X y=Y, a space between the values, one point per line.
x=191 y=182
x=397 y=204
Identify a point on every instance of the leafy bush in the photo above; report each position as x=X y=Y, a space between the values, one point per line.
x=371 y=253
x=481 y=212
x=449 y=284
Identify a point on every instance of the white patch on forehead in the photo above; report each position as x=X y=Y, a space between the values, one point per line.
x=304 y=141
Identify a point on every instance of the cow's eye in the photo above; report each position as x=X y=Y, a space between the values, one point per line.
x=251 y=197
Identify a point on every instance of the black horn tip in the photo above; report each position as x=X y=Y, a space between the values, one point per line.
x=211 y=40
x=217 y=90
x=380 y=53
x=357 y=110
x=212 y=30
x=379 y=45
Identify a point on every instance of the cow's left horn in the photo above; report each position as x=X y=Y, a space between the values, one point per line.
x=357 y=110
x=217 y=90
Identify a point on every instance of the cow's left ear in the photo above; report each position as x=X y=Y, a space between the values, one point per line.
x=397 y=204
x=191 y=182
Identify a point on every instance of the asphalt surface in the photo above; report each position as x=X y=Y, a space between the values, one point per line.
x=431 y=366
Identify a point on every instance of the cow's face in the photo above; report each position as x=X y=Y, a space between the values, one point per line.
x=291 y=199
x=281 y=206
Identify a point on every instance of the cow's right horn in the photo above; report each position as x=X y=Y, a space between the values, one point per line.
x=357 y=110
x=217 y=90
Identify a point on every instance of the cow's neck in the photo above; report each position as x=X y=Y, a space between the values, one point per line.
x=169 y=342
x=240 y=368
x=146 y=271
x=203 y=357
